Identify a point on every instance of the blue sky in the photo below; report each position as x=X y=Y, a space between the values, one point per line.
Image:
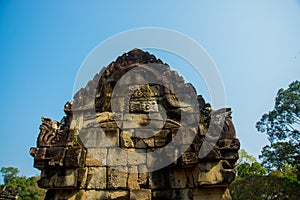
x=255 y=45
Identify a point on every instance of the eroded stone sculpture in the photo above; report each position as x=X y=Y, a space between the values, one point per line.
x=89 y=154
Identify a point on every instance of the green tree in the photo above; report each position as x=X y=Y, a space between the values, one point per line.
x=288 y=172
x=27 y=187
x=252 y=183
x=282 y=127
x=246 y=170
x=9 y=173
x=248 y=166
x=264 y=187
x=244 y=157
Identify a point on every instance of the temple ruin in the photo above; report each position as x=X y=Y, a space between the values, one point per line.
x=144 y=136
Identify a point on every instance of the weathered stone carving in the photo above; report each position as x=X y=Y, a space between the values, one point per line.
x=7 y=192
x=87 y=154
x=48 y=132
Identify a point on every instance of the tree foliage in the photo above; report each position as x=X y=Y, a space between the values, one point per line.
x=27 y=187
x=264 y=187
x=9 y=173
x=244 y=157
x=248 y=166
x=253 y=183
x=282 y=127
x=246 y=170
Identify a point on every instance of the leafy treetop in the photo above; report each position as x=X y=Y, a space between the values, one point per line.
x=282 y=127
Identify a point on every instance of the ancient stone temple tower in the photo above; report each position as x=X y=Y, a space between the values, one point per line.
x=137 y=131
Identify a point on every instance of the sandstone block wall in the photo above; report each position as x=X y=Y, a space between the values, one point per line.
x=148 y=146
